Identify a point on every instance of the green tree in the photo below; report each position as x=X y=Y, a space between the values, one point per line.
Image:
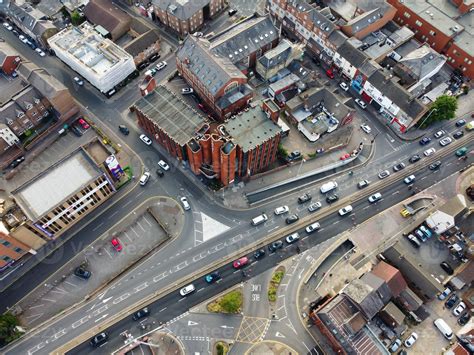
x=444 y=108
x=231 y=302
x=76 y=18
x=282 y=151
x=8 y=332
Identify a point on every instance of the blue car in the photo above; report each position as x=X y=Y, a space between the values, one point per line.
x=212 y=277
x=425 y=140
x=426 y=231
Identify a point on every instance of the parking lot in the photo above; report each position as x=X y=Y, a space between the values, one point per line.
x=138 y=234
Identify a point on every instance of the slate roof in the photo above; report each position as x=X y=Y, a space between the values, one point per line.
x=142 y=42
x=6 y=51
x=45 y=83
x=300 y=5
x=244 y=38
x=337 y=38
x=379 y=285
x=214 y=71
x=367 y=18
x=182 y=9
x=352 y=54
x=106 y=14
x=421 y=61
x=277 y=55
x=364 y=296
x=321 y=21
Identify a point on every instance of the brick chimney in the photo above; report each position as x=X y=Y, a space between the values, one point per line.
x=148 y=85
x=271 y=109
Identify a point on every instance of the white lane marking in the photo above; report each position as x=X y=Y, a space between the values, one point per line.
x=396 y=192
x=98 y=226
x=161 y=310
x=200 y=289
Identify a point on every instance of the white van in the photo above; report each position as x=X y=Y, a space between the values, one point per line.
x=444 y=328
x=259 y=219
x=331 y=185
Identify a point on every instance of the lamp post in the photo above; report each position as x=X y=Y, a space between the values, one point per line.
x=301 y=164
x=433 y=110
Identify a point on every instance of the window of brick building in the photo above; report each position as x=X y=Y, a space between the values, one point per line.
x=419 y=23
x=407 y=15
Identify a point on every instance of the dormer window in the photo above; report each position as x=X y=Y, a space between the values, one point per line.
x=37 y=101
x=29 y=106
x=20 y=114
x=9 y=122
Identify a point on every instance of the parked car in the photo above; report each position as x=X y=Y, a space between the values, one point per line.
x=414 y=158
x=435 y=165
x=82 y=273
x=212 y=277
x=366 y=128
x=425 y=140
x=398 y=167
x=125 y=131
x=185 y=203
x=145 y=139
x=294 y=155
x=445 y=141
x=186 y=290
x=345 y=210
x=446 y=267
x=426 y=231
x=281 y=210
x=409 y=179
x=459 y=309
x=447 y=291
x=411 y=340
x=292 y=219
x=144 y=178
x=460 y=123
x=461 y=152
x=344 y=86
x=17 y=162
x=330 y=74
x=420 y=235
x=259 y=254
x=451 y=301
x=83 y=123
x=332 y=198
x=361 y=103
x=7 y=26
x=304 y=198
x=40 y=52
x=429 y=152
x=142 y=313
x=439 y=134
x=239 y=263
x=161 y=65
x=116 y=244
x=78 y=81
x=275 y=246
x=164 y=165
x=76 y=130
x=187 y=91
x=465 y=317
x=395 y=345
x=458 y=134
x=375 y=197
x=312 y=227
x=404 y=212
x=292 y=238
x=314 y=206
x=414 y=240
x=362 y=184
x=99 y=340
x=232 y=12
x=384 y=174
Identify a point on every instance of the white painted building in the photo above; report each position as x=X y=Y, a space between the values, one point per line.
x=7 y=135
x=98 y=60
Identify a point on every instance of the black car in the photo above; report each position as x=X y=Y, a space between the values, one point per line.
x=259 y=254
x=446 y=267
x=435 y=165
x=275 y=246
x=458 y=134
x=414 y=158
x=332 y=198
x=82 y=273
x=77 y=132
x=425 y=140
x=99 y=339
x=295 y=155
x=124 y=129
x=398 y=167
x=304 y=198
x=160 y=172
x=460 y=123
x=232 y=12
x=142 y=313
x=17 y=162
x=451 y=301
x=292 y=219
x=464 y=318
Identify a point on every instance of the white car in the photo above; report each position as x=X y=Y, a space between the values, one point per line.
x=7 y=26
x=164 y=165
x=429 y=152
x=144 y=178
x=40 y=52
x=345 y=210
x=314 y=206
x=411 y=340
x=281 y=210
x=384 y=174
x=161 y=65
x=409 y=179
x=459 y=309
x=292 y=238
x=313 y=227
x=445 y=141
x=361 y=103
x=375 y=197
x=185 y=203
x=439 y=134
x=366 y=128
x=78 y=81
x=187 y=91
x=145 y=139
x=344 y=86
x=186 y=290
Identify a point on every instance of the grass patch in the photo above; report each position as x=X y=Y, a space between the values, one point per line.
x=222 y=348
x=229 y=303
x=127 y=177
x=274 y=283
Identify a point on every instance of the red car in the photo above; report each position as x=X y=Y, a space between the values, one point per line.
x=237 y=264
x=330 y=74
x=116 y=244
x=83 y=123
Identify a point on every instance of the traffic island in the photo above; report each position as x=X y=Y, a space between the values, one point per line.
x=274 y=283
x=270 y=347
x=156 y=343
x=228 y=303
x=220 y=348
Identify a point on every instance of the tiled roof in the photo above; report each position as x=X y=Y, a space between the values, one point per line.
x=106 y=14
x=352 y=54
x=364 y=20
x=182 y=9
x=142 y=42
x=277 y=55
x=422 y=61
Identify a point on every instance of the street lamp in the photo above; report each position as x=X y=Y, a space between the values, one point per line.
x=301 y=164
x=433 y=110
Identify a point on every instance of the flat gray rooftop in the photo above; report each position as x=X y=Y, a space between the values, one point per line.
x=9 y=87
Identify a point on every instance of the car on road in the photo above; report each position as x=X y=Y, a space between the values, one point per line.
x=99 y=340
x=404 y=212
x=414 y=158
x=187 y=91
x=465 y=317
x=82 y=273
x=275 y=246
x=281 y=210
x=425 y=140
x=429 y=152
x=314 y=206
x=151 y=72
x=160 y=172
x=185 y=203
x=451 y=301
x=239 y=263
x=459 y=309
x=414 y=240
x=313 y=227
x=78 y=81
x=232 y=12
x=40 y=52
x=366 y=128
x=439 y=134
x=460 y=123
x=398 y=167
x=435 y=165
x=163 y=165
x=294 y=155
x=292 y=238
x=304 y=198
x=330 y=73
x=344 y=86
x=186 y=290
x=7 y=26
x=363 y=183
x=116 y=244
x=259 y=254
x=332 y=198
x=409 y=179
x=461 y=152
x=142 y=313
x=447 y=268
x=161 y=65
x=83 y=123
x=145 y=139
x=144 y=178
x=375 y=197
x=395 y=345
x=212 y=277
x=411 y=340
x=124 y=130
x=292 y=219
x=384 y=174
x=17 y=162
x=458 y=134
x=361 y=103
x=345 y=210
x=445 y=141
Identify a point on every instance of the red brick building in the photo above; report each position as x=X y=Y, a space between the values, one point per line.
x=9 y=59
x=448 y=30
x=11 y=250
